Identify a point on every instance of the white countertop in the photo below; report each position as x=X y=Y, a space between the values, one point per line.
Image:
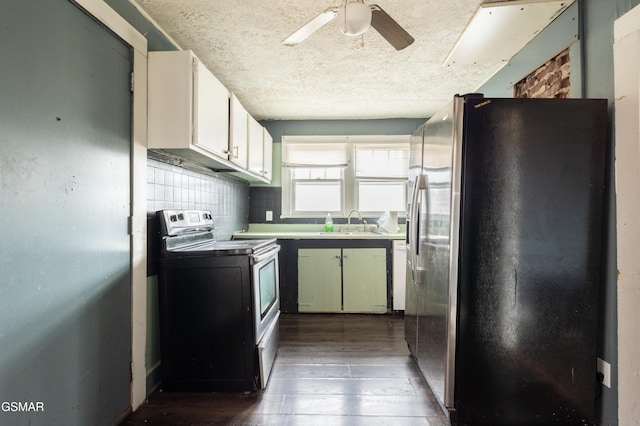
x=302 y=235
x=315 y=232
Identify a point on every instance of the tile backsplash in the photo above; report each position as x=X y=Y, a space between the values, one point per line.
x=173 y=187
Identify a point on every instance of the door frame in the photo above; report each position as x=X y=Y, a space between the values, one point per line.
x=102 y=13
x=626 y=50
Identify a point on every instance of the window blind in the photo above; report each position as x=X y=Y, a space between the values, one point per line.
x=381 y=160
x=299 y=152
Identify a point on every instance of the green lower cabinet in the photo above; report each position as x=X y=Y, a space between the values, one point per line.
x=319 y=280
x=342 y=280
x=364 y=280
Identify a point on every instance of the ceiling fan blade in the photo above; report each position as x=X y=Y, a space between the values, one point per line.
x=389 y=29
x=310 y=27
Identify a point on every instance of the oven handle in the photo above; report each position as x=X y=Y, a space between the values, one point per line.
x=259 y=257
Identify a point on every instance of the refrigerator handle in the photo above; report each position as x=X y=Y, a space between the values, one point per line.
x=417 y=228
x=414 y=236
x=412 y=232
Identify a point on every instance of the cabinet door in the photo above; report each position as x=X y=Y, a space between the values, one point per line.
x=319 y=280
x=256 y=148
x=239 y=121
x=211 y=112
x=267 y=170
x=364 y=273
x=170 y=89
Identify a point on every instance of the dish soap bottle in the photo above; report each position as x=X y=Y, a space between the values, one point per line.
x=328 y=223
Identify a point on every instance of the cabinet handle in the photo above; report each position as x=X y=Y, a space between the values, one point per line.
x=235 y=151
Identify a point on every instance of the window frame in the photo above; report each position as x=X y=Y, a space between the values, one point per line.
x=310 y=213
x=349 y=197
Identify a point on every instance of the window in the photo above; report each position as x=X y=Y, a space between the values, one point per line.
x=335 y=174
x=381 y=196
x=381 y=176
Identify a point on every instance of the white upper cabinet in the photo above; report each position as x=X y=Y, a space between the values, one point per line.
x=193 y=116
x=260 y=150
x=212 y=112
x=239 y=133
x=256 y=147
x=188 y=107
x=267 y=170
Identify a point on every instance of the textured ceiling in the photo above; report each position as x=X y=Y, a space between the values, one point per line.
x=329 y=75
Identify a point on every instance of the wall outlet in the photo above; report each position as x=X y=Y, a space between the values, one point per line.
x=269 y=216
x=605 y=368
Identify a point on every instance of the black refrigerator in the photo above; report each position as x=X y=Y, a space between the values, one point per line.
x=504 y=241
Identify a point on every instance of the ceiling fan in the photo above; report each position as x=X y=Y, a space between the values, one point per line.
x=353 y=19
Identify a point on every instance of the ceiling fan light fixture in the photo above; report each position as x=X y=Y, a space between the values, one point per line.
x=354 y=18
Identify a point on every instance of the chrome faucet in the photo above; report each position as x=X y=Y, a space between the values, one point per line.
x=349 y=218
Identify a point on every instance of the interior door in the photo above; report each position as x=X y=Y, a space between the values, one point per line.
x=65 y=304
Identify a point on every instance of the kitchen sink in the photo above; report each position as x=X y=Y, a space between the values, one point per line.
x=354 y=232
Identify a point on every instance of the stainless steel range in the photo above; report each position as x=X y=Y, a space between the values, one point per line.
x=219 y=306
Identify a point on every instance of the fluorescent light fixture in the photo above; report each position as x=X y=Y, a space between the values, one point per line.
x=499 y=30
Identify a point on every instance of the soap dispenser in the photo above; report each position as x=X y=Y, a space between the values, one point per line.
x=328 y=223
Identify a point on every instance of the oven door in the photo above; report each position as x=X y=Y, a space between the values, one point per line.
x=266 y=289
x=266 y=297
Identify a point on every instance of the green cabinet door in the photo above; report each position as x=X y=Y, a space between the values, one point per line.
x=364 y=273
x=319 y=280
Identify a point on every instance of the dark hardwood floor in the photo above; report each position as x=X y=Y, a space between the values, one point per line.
x=330 y=370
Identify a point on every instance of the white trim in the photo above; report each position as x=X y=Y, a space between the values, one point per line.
x=99 y=10
x=627 y=24
x=139 y=233
x=116 y=23
x=353 y=139
x=627 y=153
x=157 y=26
x=349 y=181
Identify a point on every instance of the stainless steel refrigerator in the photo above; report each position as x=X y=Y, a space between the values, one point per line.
x=504 y=237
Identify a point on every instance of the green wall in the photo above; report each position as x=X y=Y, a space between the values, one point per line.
x=392 y=126
x=265 y=197
x=280 y=128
